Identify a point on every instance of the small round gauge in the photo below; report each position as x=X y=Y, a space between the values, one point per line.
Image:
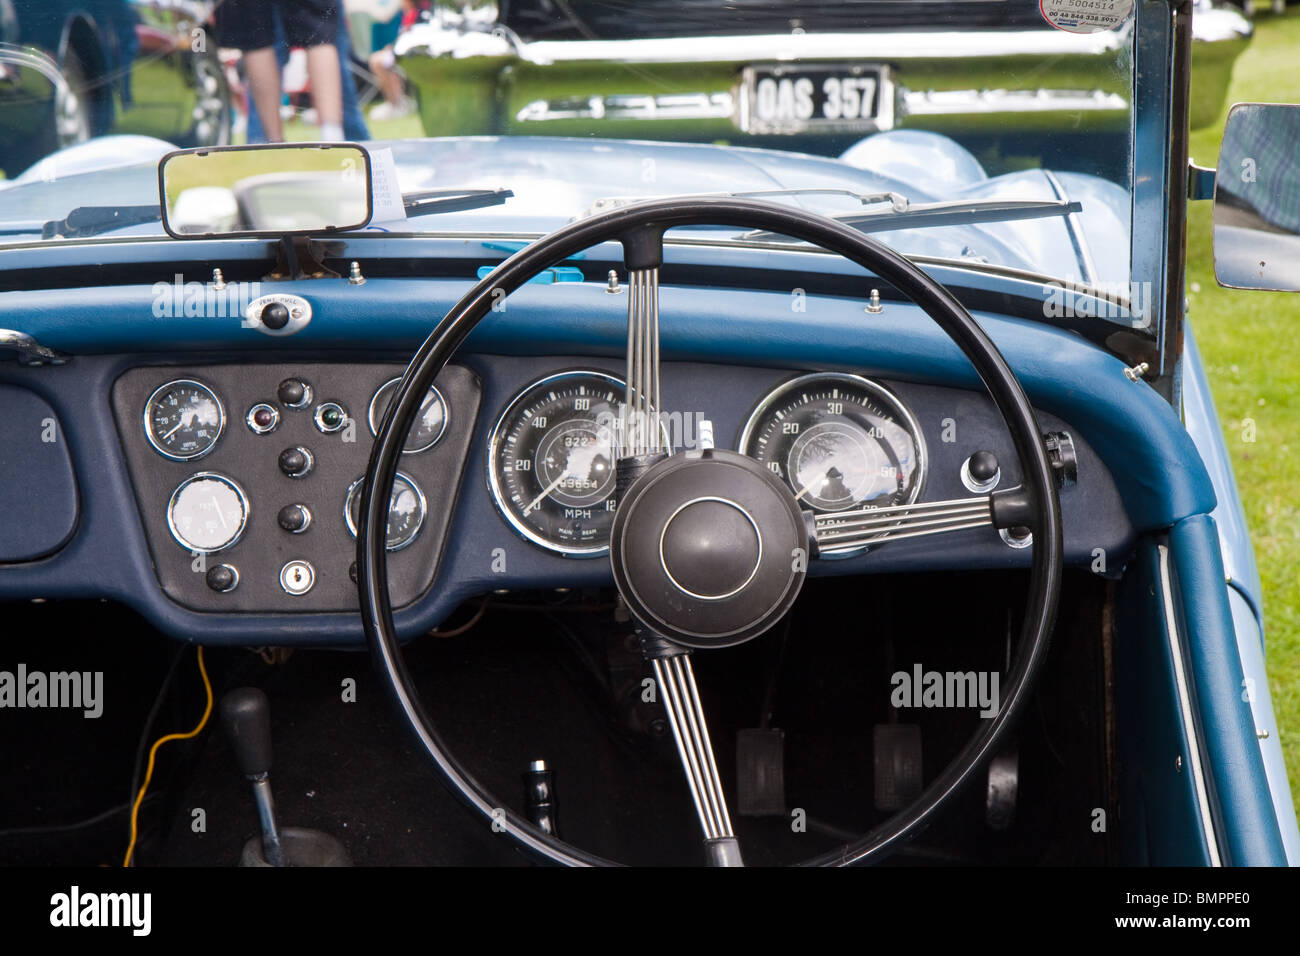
x=406 y=507
x=429 y=424
x=207 y=513
x=839 y=441
x=552 y=459
x=183 y=420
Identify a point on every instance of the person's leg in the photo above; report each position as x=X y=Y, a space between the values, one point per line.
x=263 y=74
x=354 y=123
x=326 y=89
x=314 y=24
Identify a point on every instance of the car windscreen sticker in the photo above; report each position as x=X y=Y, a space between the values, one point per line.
x=1085 y=16
x=386 y=192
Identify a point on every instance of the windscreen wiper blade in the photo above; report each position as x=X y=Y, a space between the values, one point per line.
x=92 y=220
x=428 y=201
x=958 y=212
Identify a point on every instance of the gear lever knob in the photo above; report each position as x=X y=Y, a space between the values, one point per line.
x=246 y=717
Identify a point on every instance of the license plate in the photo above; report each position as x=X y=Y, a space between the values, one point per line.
x=793 y=99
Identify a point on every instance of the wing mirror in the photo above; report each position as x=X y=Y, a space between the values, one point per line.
x=274 y=190
x=1257 y=199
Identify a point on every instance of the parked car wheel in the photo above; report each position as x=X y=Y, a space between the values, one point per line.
x=212 y=104
x=72 y=104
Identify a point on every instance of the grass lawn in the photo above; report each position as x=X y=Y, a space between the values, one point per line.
x=1248 y=342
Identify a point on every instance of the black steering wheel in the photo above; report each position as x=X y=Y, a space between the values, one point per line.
x=706 y=545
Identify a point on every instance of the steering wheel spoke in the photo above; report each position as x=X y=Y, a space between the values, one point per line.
x=681 y=699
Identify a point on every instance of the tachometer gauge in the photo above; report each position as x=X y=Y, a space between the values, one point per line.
x=406 y=507
x=552 y=461
x=207 y=513
x=183 y=420
x=429 y=424
x=839 y=441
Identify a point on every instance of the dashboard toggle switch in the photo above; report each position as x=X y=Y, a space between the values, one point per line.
x=294 y=518
x=296 y=461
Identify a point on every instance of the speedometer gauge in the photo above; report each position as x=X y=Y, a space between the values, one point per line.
x=552 y=461
x=839 y=441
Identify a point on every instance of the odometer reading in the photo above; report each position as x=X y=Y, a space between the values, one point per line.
x=841 y=442
x=553 y=457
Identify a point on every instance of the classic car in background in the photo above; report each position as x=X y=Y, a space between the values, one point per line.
x=814 y=77
x=74 y=69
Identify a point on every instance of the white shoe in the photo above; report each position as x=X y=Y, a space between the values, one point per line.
x=390 y=111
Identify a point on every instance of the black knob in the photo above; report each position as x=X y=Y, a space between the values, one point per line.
x=352 y=572
x=294 y=518
x=296 y=461
x=983 y=466
x=275 y=315
x=222 y=577
x=294 y=393
x=246 y=717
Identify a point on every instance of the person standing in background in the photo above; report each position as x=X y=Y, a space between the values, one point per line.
x=354 y=121
x=249 y=26
x=383 y=64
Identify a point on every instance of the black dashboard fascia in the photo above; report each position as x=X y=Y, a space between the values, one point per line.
x=252 y=460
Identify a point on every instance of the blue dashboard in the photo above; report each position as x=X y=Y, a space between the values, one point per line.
x=724 y=350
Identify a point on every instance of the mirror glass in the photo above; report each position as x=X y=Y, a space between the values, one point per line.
x=1257 y=199
x=270 y=190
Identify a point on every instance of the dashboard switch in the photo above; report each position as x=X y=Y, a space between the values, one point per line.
x=294 y=518
x=297 y=577
x=222 y=577
x=296 y=461
x=980 y=473
x=275 y=315
x=294 y=393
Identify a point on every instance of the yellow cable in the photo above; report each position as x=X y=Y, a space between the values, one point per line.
x=153 y=751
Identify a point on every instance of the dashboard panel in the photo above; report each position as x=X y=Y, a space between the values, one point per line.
x=242 y=474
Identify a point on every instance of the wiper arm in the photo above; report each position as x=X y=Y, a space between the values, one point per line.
x=959 y=212
x=897 y=201
x=92 y=220
x=428 y=201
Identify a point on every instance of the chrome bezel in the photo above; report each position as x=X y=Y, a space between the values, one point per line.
x=373 y=413
x=494 y=444
x=216 y=476
x=257 y=429
x=326 y=429
x=156 y=442
x=419 y=494
x=311 y=577
x=883 y=394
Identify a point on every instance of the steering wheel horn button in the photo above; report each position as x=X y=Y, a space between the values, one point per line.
x=709 y=548
x=297 y=577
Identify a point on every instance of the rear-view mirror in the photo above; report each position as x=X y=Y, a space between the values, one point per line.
x=1257 y=199
x=272 y=190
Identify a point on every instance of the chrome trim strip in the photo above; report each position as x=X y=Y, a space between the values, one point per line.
x=1184 y=700
x=982 y=102
x=432 y=39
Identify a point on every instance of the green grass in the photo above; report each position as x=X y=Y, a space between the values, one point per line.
x=1248 y=342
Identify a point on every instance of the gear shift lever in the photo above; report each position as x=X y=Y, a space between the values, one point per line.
x=246 y=717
